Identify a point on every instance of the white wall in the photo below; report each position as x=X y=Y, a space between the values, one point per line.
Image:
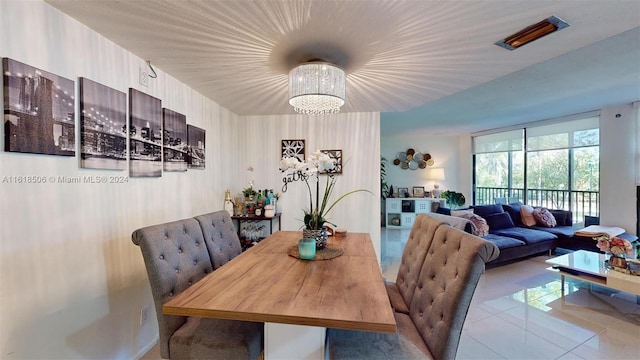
x=448 y=152
x=619 y=139
x=356 y=134
x=71 y=281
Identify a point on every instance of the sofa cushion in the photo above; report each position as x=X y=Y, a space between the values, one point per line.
x=559 y=231
x=486 y=210
x=544 y=217
x=503 y=242
x=526 y=215
x=514 y=211
x=529 y=236
x=499 y=221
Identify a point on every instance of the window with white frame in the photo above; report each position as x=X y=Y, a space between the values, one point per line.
x=549 y=164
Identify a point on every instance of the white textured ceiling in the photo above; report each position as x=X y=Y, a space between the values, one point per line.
x=398 y=55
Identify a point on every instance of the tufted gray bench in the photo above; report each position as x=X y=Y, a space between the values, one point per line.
x=440 y=269
x=177 y=254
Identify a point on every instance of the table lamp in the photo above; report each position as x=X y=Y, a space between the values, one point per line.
x=435 y=174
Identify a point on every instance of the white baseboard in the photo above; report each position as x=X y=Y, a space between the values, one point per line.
x=145 y=349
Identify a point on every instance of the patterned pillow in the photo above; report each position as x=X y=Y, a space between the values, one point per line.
x=544 y=217
x=526 y=215
x=480 y=228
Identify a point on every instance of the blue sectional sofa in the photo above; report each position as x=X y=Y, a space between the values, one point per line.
x=513 y=241
x=516 y=240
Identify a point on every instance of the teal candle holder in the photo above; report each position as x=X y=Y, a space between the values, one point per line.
x=307 y=248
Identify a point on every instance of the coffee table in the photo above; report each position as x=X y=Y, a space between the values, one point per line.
x=590 y=266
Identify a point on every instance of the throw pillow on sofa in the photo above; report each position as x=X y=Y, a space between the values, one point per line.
x=526 y=215
x=544 y=217
x=499 y=221
x=480 y=227
x=486 y=210
x=514 y=211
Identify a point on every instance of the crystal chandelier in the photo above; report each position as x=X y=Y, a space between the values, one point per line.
x=317 y=88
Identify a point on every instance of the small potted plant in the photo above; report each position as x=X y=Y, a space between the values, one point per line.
x=454 y=199
x=249 y=192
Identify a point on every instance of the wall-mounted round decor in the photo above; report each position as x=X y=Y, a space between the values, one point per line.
x=412 y=159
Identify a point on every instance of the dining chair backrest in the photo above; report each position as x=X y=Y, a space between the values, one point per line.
x=448 y=278
x=175 y=257
x=422 y=232
x=220 y=236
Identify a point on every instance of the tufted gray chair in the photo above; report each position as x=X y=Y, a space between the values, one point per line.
x=176 y=257
x=220 y=236
x=431 y=330
x=401 y=292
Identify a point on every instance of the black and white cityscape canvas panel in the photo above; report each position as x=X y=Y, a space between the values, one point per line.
x=145 y=135
x=174 y=140
x=103 y=126
x=38 y=110
x=196 y=152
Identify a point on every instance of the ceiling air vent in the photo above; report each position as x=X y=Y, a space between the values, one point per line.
x=533 y=32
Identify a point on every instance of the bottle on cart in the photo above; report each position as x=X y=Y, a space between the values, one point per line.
x=228 y=205
x=251 y=206
x=272 y=201
x=259 y=200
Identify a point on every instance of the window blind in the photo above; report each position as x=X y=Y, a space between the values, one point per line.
x=512 y=140
x=562 y=135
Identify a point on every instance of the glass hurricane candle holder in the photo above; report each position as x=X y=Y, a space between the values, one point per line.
x=307 y=248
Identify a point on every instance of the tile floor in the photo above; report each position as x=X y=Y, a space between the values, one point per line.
x=518 y=312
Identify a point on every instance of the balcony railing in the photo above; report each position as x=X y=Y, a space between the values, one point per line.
x=581 y=203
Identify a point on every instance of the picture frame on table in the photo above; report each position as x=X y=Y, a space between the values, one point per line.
x=418 y=191
x=403 y=192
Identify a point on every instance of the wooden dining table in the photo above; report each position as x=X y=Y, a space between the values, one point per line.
x=296 y=299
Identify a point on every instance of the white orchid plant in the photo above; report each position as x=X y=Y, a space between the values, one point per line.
x=317 y=164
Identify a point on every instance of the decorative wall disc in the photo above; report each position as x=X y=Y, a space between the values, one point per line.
x=412 y=159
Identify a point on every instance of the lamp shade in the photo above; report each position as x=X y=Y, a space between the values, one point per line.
x=317 y=88
x=435 y=174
